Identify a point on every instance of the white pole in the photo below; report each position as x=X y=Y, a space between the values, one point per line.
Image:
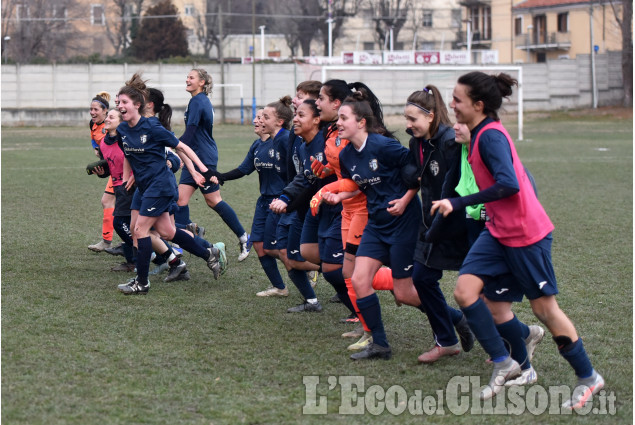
x=262 y=42
x=391 y=39
x=594 y=88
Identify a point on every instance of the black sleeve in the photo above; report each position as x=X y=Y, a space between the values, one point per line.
x=231 y=175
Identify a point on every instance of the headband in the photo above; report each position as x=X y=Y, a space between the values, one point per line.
x=420 y=107
x=101 y=101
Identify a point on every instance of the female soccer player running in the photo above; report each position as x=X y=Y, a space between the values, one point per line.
x=354 y=212
x=517 y=238
x=375 y=164
x=98 y=111
x=143 y=141
x=199 y=121
x=267 y=156
x=436 y=152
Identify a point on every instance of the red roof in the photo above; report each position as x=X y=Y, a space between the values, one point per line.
x=527 y=4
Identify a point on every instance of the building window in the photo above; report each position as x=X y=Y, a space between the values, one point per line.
x=22 y=12
x=369 y=45
x=563 y=22
x=427 y=19
x=97 y=14
x=189 y=10
x=457 y=18
x=518 y=25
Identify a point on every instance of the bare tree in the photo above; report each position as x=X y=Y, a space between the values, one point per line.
x=208 y=26
x=300 y=20
x=389 y=14
x=625 y=22
x=338 y=11
x=38 y=28
x=122 y=29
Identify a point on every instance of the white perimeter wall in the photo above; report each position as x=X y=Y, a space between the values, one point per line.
x=37 y=95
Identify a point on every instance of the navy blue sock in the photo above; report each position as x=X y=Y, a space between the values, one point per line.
x=199 y=240
x=143 y=259
x=301 y=281
x=482 y=325
x=270 y=267
x=230 y=218
x=511 y=332
x=577 y=357
x=455 y=315
x=185 y=241
x=336 y=279
x=182 y=217
x=371 y=312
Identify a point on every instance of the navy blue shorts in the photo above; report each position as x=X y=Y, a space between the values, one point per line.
x=530 y=266
x=186 y=178
x=399 y=257
x=265 y=223
x=136 y=200
x=155 y=206
x=326 y=230
x=291 y=232
x=282 y=231
x=502 y=288
x=310 y=228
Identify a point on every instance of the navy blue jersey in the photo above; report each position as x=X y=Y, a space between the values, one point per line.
x=144 y=147
x=269 y=159
x=200 y=113
x=377 y=172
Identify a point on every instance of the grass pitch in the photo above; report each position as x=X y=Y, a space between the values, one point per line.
x=75 y=351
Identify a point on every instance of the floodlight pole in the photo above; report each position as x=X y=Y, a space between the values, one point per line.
x=253 y=59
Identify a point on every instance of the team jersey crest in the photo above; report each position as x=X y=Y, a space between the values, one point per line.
x=271 y=153
x=373 y=164
x=434 y=167
x=143 y=138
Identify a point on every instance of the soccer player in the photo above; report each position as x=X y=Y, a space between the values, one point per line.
x=517 y=238
x=267 y=156
x=378 y=166
x=436 y=152
x=199 y=121
x=143 y=141
x=354 y=212
x=98 y=111
x=321 y=232
x=113 y=154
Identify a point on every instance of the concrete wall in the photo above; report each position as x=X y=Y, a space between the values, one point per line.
x=38 y=95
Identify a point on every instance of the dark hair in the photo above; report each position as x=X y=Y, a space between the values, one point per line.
x=282 y=107
x=489 y=89
x=136 y=90
x=430 y=99
x=337 y=90
x=310 y=87
x=102 y=98
x=313 y=106
x=362 y=110
x=159 y=107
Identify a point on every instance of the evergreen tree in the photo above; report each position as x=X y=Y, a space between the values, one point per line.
x=161 y=34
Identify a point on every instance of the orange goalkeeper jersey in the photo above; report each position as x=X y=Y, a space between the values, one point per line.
x=332 y=149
